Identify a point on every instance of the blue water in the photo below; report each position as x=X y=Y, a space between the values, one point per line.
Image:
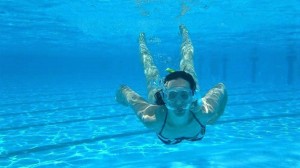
x=62 y=61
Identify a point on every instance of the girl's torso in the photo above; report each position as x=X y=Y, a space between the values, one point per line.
x=193 y=130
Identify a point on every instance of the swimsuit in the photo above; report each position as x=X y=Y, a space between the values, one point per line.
x=168 y=141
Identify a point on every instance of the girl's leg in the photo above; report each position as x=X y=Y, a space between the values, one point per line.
x=150 y=70
x=187 y=54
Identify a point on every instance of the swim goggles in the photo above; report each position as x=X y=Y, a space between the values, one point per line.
x=178 y=93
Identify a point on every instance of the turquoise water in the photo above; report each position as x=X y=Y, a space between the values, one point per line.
x=61 y=63
x=83 y=127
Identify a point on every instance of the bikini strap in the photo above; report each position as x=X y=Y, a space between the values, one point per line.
x=203 y=126
x=163 y=126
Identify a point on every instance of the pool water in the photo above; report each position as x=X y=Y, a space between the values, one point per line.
x=85 y=127
x=61 y=63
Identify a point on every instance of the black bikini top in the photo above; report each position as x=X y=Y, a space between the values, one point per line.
x=168 y=141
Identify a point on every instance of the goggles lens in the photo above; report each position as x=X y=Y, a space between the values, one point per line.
x=183 y=94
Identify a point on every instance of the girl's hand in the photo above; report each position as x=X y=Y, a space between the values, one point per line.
x=120 y=95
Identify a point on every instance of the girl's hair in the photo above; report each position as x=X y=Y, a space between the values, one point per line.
x=172 y=76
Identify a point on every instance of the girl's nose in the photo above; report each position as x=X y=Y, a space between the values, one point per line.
x=179 y=102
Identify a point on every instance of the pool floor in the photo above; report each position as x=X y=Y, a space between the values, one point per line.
x=85 y=127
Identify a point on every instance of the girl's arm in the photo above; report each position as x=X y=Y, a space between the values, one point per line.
x=144 y=111
x=212 y=105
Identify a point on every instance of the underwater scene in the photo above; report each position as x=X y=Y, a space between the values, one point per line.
x=77 y=79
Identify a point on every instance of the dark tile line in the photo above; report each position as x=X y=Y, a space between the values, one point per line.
x=112 y=96
x=52 y=93
x=58 y=94
x=297 y=114
x=58 y=109
x=122 y=135
x=263 y=101
x=115 y=116
x=85 y=92
x=64 y=122
x=112 y=104
x=71 y=143
x=46 y=95
x=54 y=101
x=264 y=92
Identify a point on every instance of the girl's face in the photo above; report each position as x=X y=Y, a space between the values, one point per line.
x=178 y=95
